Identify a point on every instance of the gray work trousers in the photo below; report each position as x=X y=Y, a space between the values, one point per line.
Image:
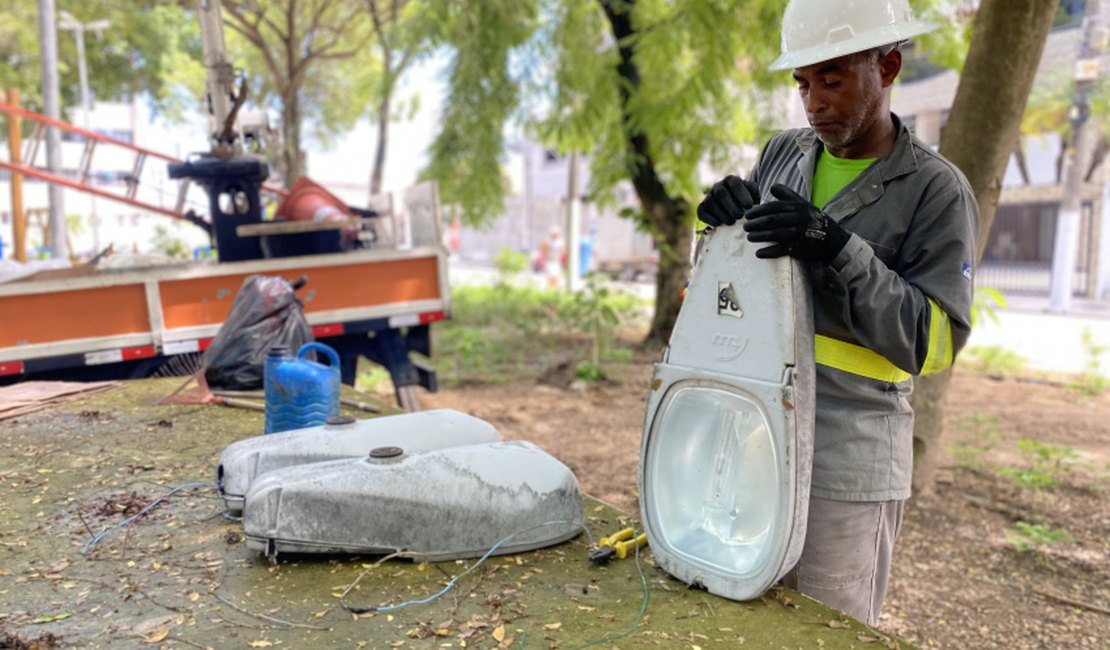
x=845 y=562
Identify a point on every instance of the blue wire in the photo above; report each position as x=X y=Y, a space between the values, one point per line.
x=96 y=538
x=452 y=581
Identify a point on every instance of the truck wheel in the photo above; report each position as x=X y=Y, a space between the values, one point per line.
x=408 y=398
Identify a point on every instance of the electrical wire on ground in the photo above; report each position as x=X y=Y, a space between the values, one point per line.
x=453 y=581
x=150 y=506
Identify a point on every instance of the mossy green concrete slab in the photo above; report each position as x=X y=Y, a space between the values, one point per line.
x=180 y=575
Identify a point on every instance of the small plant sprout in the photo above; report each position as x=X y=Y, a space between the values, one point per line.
x=983 y=434
x=994 y=361
x=1092 y=382
x=1048 y=464
x=1026 y=537
x=593 y=312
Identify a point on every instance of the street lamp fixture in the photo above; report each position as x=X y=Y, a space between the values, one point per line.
x=68 y=22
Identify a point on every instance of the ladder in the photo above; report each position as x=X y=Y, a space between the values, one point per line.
x=80 y=182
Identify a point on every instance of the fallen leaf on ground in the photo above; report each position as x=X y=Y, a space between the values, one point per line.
x=157 y=636
x=552 y=626
x=260 y=644
x=50 y=618
x=499 y=633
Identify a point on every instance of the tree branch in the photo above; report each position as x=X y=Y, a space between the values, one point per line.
x=251 y=32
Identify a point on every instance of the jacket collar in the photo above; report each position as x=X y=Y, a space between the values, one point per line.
x=868 y=186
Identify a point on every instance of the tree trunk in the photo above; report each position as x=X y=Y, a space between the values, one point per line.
x=982 y=129
x=669 y=216
x=669 y=221
x=1022 y=164
x=1102 y=147
x=378 y=170
x=292 y=156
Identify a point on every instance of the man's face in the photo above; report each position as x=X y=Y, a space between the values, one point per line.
x=845 y=98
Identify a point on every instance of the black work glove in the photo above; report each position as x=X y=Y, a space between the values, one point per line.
x=796 y=227
x=727 y=201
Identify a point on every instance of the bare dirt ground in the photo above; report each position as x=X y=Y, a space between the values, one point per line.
x=958 y=582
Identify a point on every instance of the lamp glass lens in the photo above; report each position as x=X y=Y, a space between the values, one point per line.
x=712 y=479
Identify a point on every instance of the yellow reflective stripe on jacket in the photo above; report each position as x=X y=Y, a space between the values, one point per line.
x=859 y=360
x=855 y=359
x=940 y=354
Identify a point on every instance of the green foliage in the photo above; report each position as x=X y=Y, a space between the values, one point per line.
x=985 y=304
x=170 y=246
x=1048 y=106
x=556 y=61
x=699 y=63
x=1026 y=537
x=1092 y=382
x=947 y=45
x=1047 y=110
x=1047 y=464
x=993 y=361
x=616 y=355
x=374 y=379
x=589 y=372
x=983 y=431
x=150 y=47
x=484 y=92
x=496 y=333
x=508 y=264
x=590 y=310
x=75 y=225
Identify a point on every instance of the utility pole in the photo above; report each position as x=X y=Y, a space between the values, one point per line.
x=574 y=221
x=78 y=28
x=48 y=48
x=1066 y=245
x=15 y=148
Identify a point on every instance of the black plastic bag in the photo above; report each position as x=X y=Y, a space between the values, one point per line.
x=265 y=313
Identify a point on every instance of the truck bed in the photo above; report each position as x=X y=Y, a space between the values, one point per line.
x=116 y=316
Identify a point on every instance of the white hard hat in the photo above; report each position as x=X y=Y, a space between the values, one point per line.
x=820 y=30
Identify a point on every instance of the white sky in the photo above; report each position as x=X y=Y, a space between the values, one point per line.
x=350 y=159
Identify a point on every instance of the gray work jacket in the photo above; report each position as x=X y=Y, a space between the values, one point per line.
x=914 y=222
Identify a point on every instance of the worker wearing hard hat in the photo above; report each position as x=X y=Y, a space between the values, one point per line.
x=887 y=231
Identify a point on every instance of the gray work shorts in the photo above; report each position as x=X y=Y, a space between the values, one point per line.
x=845 y=563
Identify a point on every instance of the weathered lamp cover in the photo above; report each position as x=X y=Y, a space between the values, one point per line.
x=728 y=433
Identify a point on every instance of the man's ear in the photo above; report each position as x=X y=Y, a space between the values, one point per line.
x=889 y=66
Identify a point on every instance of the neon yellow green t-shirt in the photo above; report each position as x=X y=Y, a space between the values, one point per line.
x=833 y=174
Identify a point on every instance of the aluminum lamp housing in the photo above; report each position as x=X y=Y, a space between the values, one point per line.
x=244 y=460
x=443 y=504
x=727 y=449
